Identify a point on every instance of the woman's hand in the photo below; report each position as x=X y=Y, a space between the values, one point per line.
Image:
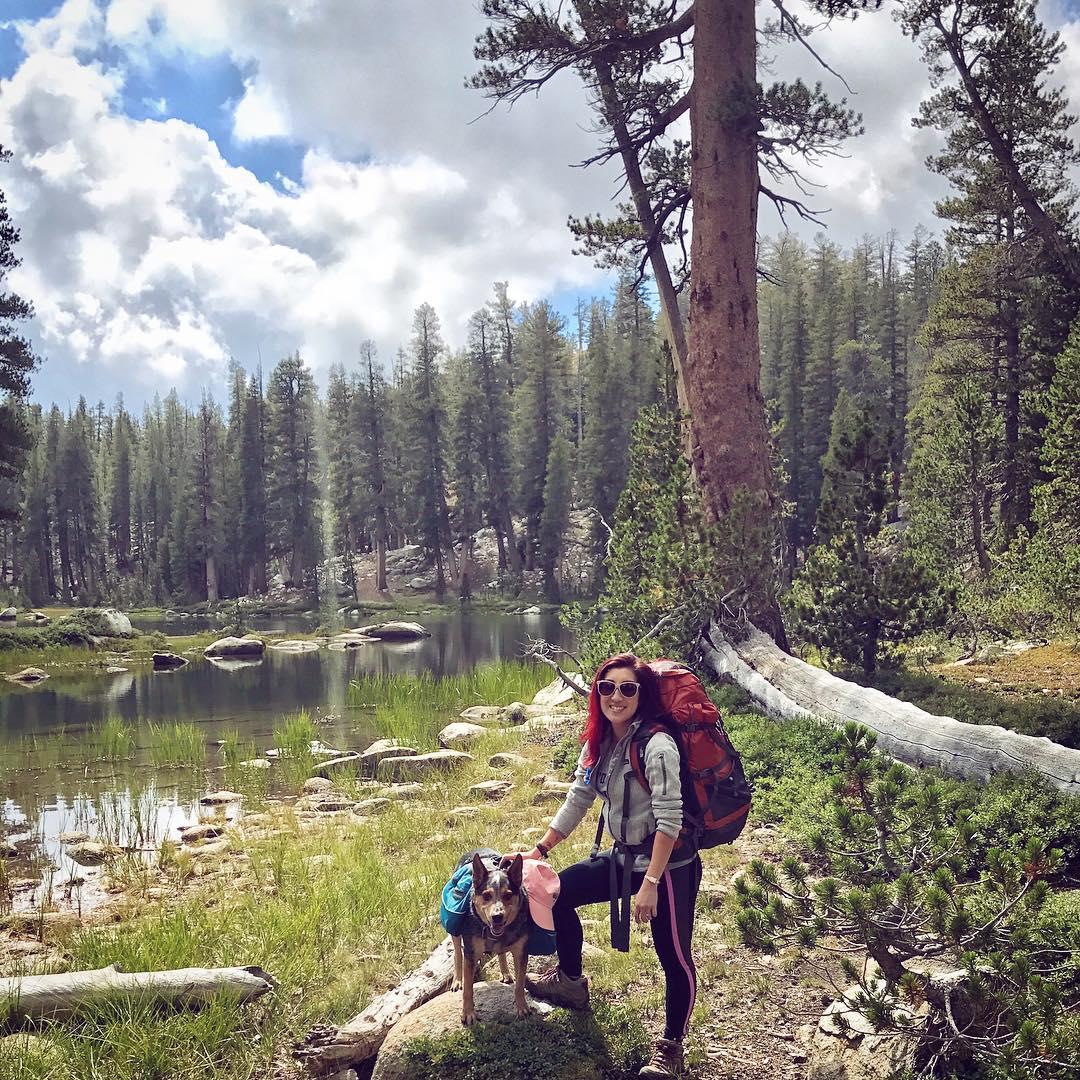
x=645 y=902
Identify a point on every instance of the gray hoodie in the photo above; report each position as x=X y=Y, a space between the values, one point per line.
x=648 y=812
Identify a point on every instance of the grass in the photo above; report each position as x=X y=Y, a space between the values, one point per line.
x=1056 y=718
x=177 y=745
x=114 y=740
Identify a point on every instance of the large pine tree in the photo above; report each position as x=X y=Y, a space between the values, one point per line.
x=17 y=359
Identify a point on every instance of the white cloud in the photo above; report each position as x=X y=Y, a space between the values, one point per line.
x=150 y=257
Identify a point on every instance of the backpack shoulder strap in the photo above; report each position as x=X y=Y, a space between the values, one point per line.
x=640 y=741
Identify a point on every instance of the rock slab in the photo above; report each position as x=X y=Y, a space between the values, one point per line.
x=441 y=1016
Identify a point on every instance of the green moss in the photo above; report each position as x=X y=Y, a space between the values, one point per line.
x=605 y=1044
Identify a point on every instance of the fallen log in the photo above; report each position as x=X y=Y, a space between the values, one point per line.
x=56 y=997
x=329 y=1049
x=787 y=688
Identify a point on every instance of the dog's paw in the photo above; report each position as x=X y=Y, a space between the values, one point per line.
x=455 y=984
x=468 y=1018
x=506 y=979
x=522 y=1009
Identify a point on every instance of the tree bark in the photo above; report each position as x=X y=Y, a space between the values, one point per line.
x=326 y=1050
x=788 y=689
x=722 y=371
x=56 y=997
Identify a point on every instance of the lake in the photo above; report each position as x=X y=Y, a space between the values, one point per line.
x=49 y=784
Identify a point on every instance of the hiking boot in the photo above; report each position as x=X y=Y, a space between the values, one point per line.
x=559 y=989
x=666 y=1060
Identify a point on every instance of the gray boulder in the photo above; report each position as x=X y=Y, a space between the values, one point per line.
x=383 y=748
x=416 y=768
x=394 y=631
x=235 y=646
x=29 y=676
x=9 y=614
x=441 y=1018
x=167 y=661
x=106 y=622
x=459 y=735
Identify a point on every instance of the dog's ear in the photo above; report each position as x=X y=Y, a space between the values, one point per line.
x=479 y=872
x=514 y=873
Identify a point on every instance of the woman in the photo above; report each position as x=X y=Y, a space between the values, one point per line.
x=645 y=825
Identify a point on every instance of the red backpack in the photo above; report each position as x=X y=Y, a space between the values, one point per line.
x=716 y=793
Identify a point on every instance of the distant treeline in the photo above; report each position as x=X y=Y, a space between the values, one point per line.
x=185 y=505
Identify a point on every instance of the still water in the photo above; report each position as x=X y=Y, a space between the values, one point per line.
x=46 y=793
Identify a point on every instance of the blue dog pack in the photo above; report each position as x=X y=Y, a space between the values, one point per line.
x=457 y=901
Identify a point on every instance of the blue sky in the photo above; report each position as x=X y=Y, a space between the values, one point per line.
x=197 y=180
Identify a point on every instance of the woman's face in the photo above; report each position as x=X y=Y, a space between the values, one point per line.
x=618 y=708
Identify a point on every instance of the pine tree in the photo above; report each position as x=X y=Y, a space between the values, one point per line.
x=343 y=480
x=426 y=408
x=371 y=422
x=17 y=359
x=556 y=514
x=120 y=501
x=466 y=467
x=494 y=436
x=292 y=467
x=539 y=412
x=253 y=536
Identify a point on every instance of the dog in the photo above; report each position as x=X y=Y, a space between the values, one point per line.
x=498 y=922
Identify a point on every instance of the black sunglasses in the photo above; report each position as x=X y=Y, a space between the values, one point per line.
x=605 y=688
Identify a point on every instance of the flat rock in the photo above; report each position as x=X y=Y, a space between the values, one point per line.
x=403 y=792
x=551 y=791
x=367 y=807
x=220 y=798
x=294 y=646
x=167 y=661
x=458 y=814
x=441 y=1017
x=413 y=768
x=92 y=853
x=506 y=760
x=324 y=802
x=315 y=784
x=459 y=735
x=344 y=763
x=492 y=789
x=255 y=763
x=193 y=834
x=394 y=631
x=9 y=614
x=235 y=646
x=73 y=837
x=384 y=748
x=543 y=722
x=28 y=676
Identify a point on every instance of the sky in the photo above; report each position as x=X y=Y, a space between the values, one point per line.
x=203 y=180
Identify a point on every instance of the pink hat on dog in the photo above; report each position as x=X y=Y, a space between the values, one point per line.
x=542 y=888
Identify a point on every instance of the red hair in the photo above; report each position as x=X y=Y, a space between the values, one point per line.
x=597 y=725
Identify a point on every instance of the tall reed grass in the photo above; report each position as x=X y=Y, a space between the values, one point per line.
x=293 y=739
x=177 y=745
x=113 y=740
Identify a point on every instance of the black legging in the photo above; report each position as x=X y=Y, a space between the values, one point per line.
x=587 y=882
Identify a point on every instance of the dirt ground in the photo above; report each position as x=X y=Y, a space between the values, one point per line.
x=1046 y=669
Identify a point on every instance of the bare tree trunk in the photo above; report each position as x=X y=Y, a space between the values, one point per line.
x=788 y=689
x=722 y=371
x=211 y=580
x=669 y=303
x=326 y=1050
x=55 y=997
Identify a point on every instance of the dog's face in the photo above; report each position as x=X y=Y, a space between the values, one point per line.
x=497 y=894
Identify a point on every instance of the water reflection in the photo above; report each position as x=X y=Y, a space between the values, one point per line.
x=57 y=791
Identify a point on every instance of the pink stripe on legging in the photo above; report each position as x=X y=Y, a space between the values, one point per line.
x=676 y=940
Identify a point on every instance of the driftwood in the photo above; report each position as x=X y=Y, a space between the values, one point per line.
x=787 y=688
x=56 y=997
x=326 y=1050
